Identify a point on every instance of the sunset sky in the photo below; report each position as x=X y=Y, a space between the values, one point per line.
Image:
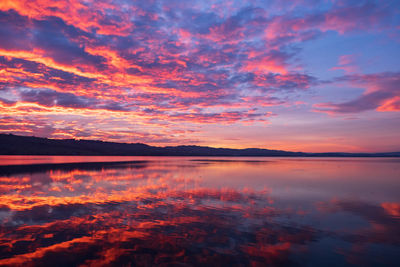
x=295 y=75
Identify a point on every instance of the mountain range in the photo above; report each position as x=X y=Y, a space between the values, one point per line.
x=11 y=144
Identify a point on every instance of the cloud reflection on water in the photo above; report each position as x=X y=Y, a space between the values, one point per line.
x=163 y=213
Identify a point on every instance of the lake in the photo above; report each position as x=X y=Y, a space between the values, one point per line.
x=199 y=211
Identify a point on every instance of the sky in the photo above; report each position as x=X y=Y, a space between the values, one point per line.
x=295 y=75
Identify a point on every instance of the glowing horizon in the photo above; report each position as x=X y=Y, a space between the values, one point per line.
x=306 y=76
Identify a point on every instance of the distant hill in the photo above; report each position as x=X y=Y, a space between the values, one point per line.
x=28 y=145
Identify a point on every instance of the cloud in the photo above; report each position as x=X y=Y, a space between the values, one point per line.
x=347 y=64
x=222 y=117
x=180 y=60
x=382 y=92
x=50 y=98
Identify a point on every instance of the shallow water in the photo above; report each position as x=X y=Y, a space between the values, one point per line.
x=191 y=211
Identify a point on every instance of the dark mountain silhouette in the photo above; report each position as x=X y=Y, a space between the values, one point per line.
x=28 y=145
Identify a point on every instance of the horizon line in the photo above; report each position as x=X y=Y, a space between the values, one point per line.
x=208 y=146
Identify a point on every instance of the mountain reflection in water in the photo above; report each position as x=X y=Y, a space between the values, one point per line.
x=196 y=212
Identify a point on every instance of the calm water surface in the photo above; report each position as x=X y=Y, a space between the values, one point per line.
x=181 y=211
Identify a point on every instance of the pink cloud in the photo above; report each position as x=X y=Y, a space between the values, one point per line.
x=381 y=93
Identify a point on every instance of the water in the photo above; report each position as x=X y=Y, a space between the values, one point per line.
x=182 y=211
